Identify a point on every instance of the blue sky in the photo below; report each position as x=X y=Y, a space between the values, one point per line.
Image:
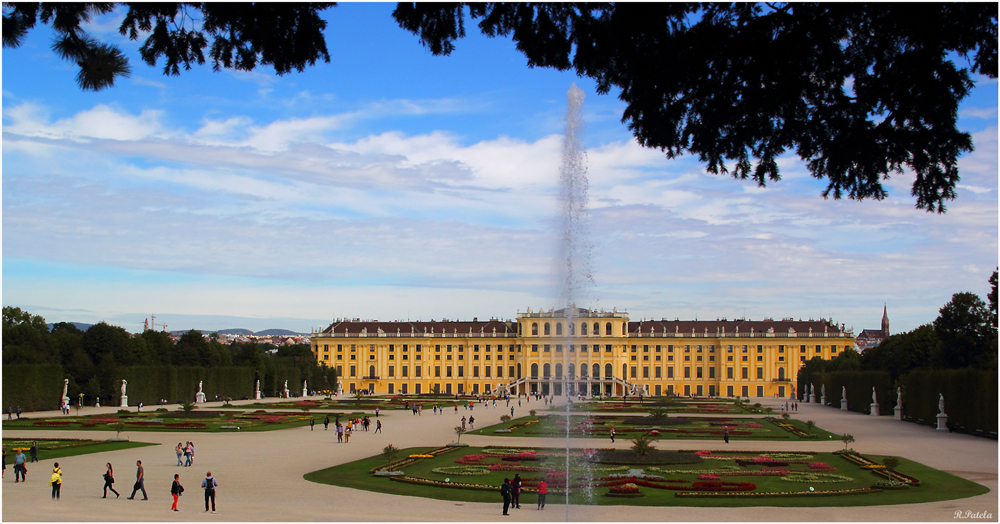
x=393 y=184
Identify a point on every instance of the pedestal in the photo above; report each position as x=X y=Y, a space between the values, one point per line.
x=124 y=403
x=305 y=393
x=199 y=398
x=288 y=394
x=813 y=397
x=942 y=422
x=898 y=412
x=98 y=404
x=822 y=400
x=874 y=412
x=256 y=395
x=843 y=404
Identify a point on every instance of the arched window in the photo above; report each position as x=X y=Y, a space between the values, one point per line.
x=607 y=371
x=547 y=330
x=607 y=329
x=534 y=328
x=572 y=370
x=583 y=370
x=558 y=328
x=558 y=370
x=597 y=329
x=546 y=371
x=371 y=371
x=534 y=370
x=597 y=371
x=572 y=329
x=583 y=328
x=781 y=373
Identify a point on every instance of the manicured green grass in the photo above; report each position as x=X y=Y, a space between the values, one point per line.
x=699 y=428
x=58 y=448
x=196 y=421
x=675 y=405
x=935 y=485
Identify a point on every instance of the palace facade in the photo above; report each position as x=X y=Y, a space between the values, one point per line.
x=593 y=352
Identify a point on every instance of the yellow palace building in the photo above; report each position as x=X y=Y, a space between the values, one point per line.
x=591 y=352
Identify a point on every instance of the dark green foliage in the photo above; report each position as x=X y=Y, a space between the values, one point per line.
x=32 y=386
x=642 y=444
x=965 y=326
x=628 y=456
x=899 y=354
x=970 y=397
x=736 y=83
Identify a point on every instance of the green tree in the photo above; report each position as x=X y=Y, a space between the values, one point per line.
x=847 y=438
x=853 y=89
x=459 y=431
x=891 y=463
x=390 y=453
x=967 y=338
x=809 y=426
x=25 y=338
x=191 y=349
x=993 y=300
x=642 y=444
x=903 y=352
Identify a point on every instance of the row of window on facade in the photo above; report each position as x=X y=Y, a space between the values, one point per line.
x=547 y=348
x=596 y=331
x=698 y=389
x=514 y=372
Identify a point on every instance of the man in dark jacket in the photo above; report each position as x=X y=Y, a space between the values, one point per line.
x=505 y=492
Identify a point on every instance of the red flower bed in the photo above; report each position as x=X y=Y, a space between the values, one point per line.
x=51 y=423
x=186 y=425
x=714 y=485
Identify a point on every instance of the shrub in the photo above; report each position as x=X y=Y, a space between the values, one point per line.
x=390 y=452
x=504 y=418
x=809 y=426
x=846 y=438
x=642 y=444
x=531 y=412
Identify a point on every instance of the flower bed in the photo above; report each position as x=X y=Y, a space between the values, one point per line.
x=755 y=494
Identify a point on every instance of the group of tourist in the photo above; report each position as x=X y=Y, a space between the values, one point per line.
x=176 y=489
x=186 y=451
x=510 y=490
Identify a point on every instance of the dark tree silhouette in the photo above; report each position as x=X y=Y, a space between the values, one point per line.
x=858 y=91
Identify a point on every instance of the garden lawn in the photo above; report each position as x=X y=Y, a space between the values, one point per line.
x=934 y=485
x=691 y=406
x=199 y=421
x=58 y=448
x=700 y=428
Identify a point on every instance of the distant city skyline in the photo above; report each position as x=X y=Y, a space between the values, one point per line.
x=392 y=184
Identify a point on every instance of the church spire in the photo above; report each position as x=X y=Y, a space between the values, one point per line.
x=885 y=321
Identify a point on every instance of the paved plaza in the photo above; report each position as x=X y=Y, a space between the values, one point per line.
x=260 y=474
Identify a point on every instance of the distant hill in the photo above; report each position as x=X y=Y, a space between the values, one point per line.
x=235 y=331
x=79 y=325
x=278 y=332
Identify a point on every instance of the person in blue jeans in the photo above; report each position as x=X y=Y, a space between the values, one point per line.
x=209 y=484
x=139 y=481
x=180 y=453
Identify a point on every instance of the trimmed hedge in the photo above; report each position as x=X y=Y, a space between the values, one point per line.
x=970 y=397
x=34 y=387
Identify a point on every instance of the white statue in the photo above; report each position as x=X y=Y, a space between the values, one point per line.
x=199 y=397
x=286 y=385
x=874 y=398
x=822 y=391
x=305 y=390
x=899 y=396
x=843 y=392
x=257 y=393
x=124 y=402
x=124 y=383
x=65 y=397
x=200 y=390
x=941 y=403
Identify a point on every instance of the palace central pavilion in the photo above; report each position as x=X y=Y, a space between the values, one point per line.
x=594 y=352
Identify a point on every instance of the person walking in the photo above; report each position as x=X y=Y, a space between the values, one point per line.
x=347 y=434
x=378 y=426
x=612 y=433
x=340 y=433
x=472 y=422
x=109 y=481
x=326 y=423
x=505 y=489
x=140 y=481
x=512 y=412
x=34 y=451
x=19 y=470
x=312 y=423
x=56 y=481
x=543 y=489
x=515 y=491
x=3 y=459
x=376 y=412
x=180 y=453
x=176 y=490
x=725 y=434
x=191 y=445
x=209 y=484
x=187 y=454
x=463 y=422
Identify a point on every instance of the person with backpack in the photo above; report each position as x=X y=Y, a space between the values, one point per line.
x=505 y=490
x=209 y=484
x=176 y=490
x=56 y=481
x=515 y=491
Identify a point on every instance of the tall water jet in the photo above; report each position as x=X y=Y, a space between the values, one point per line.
x=575 y=246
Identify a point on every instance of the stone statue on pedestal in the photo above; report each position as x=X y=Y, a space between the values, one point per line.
x=941 y=403
x=305 y=390
x=874 y=406
x=65 y=395
x=124 y=403
x=199 y=397
x=942 y=418
x=257 y=392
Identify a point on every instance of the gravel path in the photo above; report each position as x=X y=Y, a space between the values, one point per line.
x=260 y=474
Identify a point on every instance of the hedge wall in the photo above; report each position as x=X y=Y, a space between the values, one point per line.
x=34 y=387
x=970 y=397
x=859 y=386
x=149 y=384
